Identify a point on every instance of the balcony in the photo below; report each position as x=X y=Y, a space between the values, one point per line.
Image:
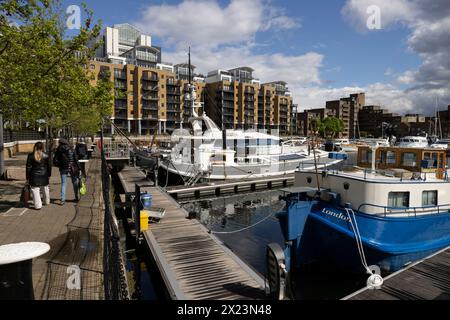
x=120 y=114
x=120 y=75
x=150 y=88
x=149 y=115
x=150 y=97
x=173 y=118
x=173 y=109
x=171 y=83
x=120 y=105
x=226 y=89
x=176 y=100
x=150 y=106
x=175 y=92
x=153 y=78
x=120 y=85
x=228 y=97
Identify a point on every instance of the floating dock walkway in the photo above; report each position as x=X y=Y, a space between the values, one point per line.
x=193 y=263
x=428 y=279
x=230 y=187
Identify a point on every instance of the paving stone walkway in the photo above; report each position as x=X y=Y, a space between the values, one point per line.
x=74 y=232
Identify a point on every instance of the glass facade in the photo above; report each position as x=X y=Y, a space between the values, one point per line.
x=128 y=35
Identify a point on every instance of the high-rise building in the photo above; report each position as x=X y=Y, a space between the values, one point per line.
x=125 y=44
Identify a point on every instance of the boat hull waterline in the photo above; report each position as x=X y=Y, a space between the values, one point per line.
x=391 y=243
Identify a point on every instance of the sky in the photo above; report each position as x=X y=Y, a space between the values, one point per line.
x=323 y=49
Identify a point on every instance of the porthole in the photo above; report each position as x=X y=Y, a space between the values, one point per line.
x=309 y=180
x=346 y=185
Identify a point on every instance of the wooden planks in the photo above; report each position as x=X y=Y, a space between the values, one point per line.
x=425 y=280
x=194 y=264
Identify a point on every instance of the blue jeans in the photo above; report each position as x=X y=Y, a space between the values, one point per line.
x=75 y=184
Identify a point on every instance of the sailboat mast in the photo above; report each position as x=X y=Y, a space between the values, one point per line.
x=435 y=119
x=190 y=75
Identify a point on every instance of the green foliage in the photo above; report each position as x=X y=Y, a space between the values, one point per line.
x=331 y=126
x=315 y=124
x=43 y=73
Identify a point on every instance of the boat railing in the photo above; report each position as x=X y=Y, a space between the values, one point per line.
x=387 y=211
x=368 y=173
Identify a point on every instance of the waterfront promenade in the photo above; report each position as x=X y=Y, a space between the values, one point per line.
x=74 y=232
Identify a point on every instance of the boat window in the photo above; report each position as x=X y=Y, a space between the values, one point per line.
x=366 y=156
x=409 y=159
x=398 y=199
x=429 y=198
x=388 y=157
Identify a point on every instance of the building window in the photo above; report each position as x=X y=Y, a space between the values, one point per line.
x=409 y=159
x=398 y=199
x=429 y=198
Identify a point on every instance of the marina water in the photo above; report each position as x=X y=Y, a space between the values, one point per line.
x=246 y=223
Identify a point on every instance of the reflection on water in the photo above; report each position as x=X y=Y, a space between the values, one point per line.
x=246 y=223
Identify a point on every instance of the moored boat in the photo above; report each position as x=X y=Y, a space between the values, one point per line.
x=390 y=210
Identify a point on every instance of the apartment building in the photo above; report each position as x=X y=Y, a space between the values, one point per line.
x=236 y=100
x=150 y=94
x=304 y=119
x=374 y=121
x=347 y=110
x=444 y=122
x=147 y=100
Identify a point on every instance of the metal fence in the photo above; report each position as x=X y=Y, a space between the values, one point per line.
x=22 y=135
x=115 y=280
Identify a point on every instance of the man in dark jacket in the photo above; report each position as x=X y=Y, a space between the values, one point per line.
x=66 y=160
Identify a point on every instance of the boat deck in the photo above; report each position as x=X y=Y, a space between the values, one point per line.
x=428 y=279
x=193 y=263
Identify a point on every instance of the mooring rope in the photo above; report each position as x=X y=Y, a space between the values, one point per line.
x=375 y=280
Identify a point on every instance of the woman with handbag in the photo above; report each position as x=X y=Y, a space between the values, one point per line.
x=66 y=160
x=38 y=172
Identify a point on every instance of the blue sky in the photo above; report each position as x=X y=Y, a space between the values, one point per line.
x=323 y=51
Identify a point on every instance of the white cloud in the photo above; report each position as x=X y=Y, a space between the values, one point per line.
x=392 y=11
x=205 y=23
x=429 y=23
x=298 y=71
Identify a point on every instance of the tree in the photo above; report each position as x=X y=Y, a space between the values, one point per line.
x=331 y=126
x=43 y=75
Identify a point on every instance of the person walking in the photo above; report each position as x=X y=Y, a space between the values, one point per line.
x=38 y=172
x=66 y=160
x=82 y=154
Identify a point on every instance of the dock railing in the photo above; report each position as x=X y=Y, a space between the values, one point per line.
x=115 y=281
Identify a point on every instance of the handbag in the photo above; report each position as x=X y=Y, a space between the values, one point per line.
x=25 y=195
x=83 y=189
x=74 y=170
